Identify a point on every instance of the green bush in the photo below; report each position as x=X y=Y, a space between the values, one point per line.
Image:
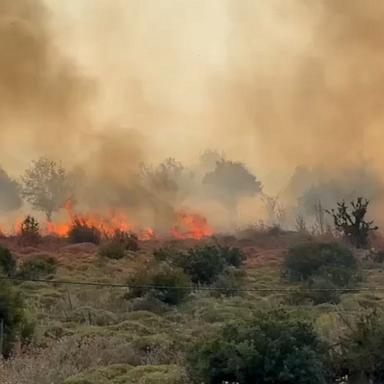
x=229 y=283
x=233 y=256
x=322 y=290
x=275 y=347
x=165 y=283
x=38 y=267
x=304 y=261
x=7 y=262
x=112 y=250
x=12 y=312
x=82 y=232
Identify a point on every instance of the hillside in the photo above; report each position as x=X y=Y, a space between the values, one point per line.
x=90 y=334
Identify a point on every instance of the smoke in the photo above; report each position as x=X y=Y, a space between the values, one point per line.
x=103 y=86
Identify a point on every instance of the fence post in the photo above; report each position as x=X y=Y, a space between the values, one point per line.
x=1 y=337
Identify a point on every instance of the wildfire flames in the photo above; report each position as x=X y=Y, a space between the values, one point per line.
x=187 y=225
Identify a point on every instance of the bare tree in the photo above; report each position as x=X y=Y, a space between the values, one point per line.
x=46 y=186
x=351 y=222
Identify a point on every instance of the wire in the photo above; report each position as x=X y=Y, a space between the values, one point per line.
x=191 y=288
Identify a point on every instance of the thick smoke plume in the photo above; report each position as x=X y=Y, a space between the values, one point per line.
x=104 y=86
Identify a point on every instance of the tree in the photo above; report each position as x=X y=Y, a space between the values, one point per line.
x=29 y=231
x=351 y=222
x=46 y=186
x=7 y=262
x=275 y=347
x=230 y=181
x=9 y=193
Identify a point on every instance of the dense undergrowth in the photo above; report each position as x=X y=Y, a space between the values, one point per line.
x=192 y=310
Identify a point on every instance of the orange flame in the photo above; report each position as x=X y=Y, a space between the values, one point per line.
x=191 y=226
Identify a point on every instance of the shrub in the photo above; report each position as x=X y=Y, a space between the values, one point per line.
x=275 y=347
x=233 y=256
x=82 y=232
x=112 y=250
x=129 y=241
x=165 y=283
x=29 y=231
x=229 y=283
x=12 y=311
x=7 y=262
x=322 y=290
x=304 y=261
x=37 y=267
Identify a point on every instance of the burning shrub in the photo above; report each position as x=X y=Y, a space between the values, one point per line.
x=167 y=284
x=7 y=262
x=129 y=241
x=38 y=267
x=82 y=232
x=29 y=231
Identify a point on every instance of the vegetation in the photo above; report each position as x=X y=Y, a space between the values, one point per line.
x=167 y=284
x=129 y=241
x=274 y=347
x=29 y=231
x=12 y=312
x=82 y=232
x=38 y=267
x=351 y=221
x=46 y=186
x=305 y=261
x=7 y=262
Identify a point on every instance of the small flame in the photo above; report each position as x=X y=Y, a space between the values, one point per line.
x=191 y=226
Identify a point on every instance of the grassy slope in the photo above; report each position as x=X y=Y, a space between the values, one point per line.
x=91 y=335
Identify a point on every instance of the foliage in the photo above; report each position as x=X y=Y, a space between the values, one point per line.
x=129 y=241
x=82 y=232
x=46 y=186
x=12 y=311
x=351 y=221
x=7 y=262
x=303 y=262
x=37 y=267
x=230 y=181
x=230 y=282
x=165 y=283
x=112 y=250
x=9 y=193
x=361 y=348
x=274 y=347
x=29 y=231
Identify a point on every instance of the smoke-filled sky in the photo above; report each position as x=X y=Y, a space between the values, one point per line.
x=110 y=84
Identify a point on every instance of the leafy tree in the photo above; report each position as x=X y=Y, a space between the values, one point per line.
x=46 y=186
x=306 y=261
x=9 y=193
x=230 y=181
x=351 y=222
x=7 y=262
x=275 y=347
x=29 y=231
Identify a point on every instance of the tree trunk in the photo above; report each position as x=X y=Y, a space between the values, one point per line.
x=358 y=378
